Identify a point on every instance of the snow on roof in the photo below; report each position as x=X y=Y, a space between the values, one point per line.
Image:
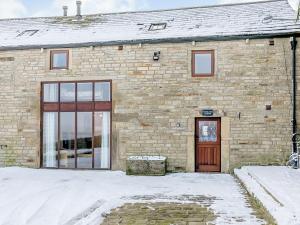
x=265 y=18
x=294 y=4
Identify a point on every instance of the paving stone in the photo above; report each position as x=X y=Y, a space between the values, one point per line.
x=160 y=214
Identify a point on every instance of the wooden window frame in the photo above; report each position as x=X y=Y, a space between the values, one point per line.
x=52 y=53
x=76 y=106
x=212 y=54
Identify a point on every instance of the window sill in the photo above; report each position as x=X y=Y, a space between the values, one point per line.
x=203 y=76
x=56 y=69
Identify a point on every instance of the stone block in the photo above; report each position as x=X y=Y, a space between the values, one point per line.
x=146 y=165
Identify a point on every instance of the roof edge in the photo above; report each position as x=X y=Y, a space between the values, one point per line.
x=149 y=11
x=151 y=41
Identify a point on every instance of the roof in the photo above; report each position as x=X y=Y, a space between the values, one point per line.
x=256 y=19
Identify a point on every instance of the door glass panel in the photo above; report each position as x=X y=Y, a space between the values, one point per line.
x=50 y=138
x=84 y=91
x=84 y=140
x=208 y=131
x=67 y=139
x=67 y=92
x=102 y=91
x=51 y=93
x=102 y=140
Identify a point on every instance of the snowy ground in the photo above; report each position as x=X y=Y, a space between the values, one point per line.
x=64 y=197
x=278 y=188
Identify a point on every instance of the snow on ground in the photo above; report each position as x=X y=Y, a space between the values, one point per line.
x=65 y=197
x=278 y=188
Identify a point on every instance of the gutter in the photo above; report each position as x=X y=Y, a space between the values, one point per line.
x=293 y=41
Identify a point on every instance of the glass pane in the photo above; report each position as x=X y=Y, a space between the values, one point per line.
x=60 y=60
x=102 y=91
x=203 y=63
x=84 y=91
x=102 y=140
x=50 y=138
x=84 y=139
x=208 y=131
x=50 y=92
x=67 y=139
x=67 y=92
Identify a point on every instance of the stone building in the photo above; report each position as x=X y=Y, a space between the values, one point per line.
x=210 y=88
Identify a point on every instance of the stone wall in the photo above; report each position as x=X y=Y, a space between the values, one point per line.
x=155 y=103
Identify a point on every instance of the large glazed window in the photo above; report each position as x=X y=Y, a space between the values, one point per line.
x=76 y=124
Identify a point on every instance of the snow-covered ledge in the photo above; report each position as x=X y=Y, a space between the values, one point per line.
x=148 y=158
x=146 y=165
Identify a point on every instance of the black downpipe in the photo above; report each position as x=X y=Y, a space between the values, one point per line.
x=294 y=121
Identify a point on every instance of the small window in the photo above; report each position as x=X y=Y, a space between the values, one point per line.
x=59 y=59
x=203 y=63
x=27 y=33
x=157 y=26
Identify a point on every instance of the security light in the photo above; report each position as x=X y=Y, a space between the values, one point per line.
x=156 y=56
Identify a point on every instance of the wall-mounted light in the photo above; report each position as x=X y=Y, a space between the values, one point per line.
x=271 y=42
x=156 y=56
x=3 y=147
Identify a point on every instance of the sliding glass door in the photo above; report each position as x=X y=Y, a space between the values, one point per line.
x=76 y=124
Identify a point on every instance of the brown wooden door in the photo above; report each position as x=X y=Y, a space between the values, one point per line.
x=208 y=145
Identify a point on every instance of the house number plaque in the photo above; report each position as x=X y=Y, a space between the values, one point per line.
x=207 y=112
